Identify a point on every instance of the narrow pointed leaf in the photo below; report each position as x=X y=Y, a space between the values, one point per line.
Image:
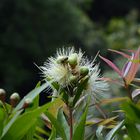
x=121 y=53
x=11 y=122
x=132 y=111
x=108 y=120
x=53 y=134
x=80 y=127
x=135 y=93
x=99 y=133
x=23 y=124
x=136 y=80
x=32 y=95
x=126 y=68
x=133 y=68
x=112 y=65
x=2 y=116
x=58 y=126
x=112 y=133
x=55 y=107
x=113 y=100
x=42 y=131
x=61 y=119
x=132 y=130
x=80 y=88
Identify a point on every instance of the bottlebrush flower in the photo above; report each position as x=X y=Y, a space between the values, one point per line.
x=96 y=85
x=69 y=67
x=57 y=68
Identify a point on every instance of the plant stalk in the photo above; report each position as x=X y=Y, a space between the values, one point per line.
x=71 y=122
x=127 y=89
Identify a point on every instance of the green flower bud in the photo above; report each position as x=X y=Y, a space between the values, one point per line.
x=70 y=101
x=84 y=71
x=61 y=59
x=73 y=79
x=14 y=99
x=2 y=95
x=125 y=137
x=28 y=103
x=73 y=59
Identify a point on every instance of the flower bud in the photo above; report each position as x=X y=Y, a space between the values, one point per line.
x=2 y=95
x=61 y=59
x=125 y=137
x=73 y=79
x=70 y=101
x=84 y=71
x=73 y=59
x=14 y=99
x=28 y=103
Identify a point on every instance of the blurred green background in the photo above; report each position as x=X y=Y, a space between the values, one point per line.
x=31 y=30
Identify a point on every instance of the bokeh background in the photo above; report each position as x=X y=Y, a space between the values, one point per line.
x=31 y=30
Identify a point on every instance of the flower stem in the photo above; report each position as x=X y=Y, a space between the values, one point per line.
x=127 y=89
x=71 y=122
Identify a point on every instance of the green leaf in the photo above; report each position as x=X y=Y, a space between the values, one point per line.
x=58 y=126
x=31 y=132
x=11 y=122
x=132 y=130
x=80 y=88
x=61 y=119
x=1 y=120
x=112 y=133
x=132 y=111
x=55 y=107
x=65 y=96
x=132 y=117
x=42 y=131
x=37 y=137
x=53 y=134
x=19 y=126
x=32 y=95
x=80 y=127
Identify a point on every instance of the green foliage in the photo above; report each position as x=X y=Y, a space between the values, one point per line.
x=80 y=127
x=32 y=30
x=29 y=119
x=25 y=122
x=32 y=95
x=69 y=115
x=62 y=120
x=58 y=126
x=132 y=112
x=1 y=120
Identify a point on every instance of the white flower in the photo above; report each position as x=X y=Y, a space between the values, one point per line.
x=96 y=86
x=57 y=71
x=69 y=65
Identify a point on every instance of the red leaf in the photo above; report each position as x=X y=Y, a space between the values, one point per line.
x=130 y=51
x=133 y=67
x=121 y=53
x=112 y=65
x=126 y=68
